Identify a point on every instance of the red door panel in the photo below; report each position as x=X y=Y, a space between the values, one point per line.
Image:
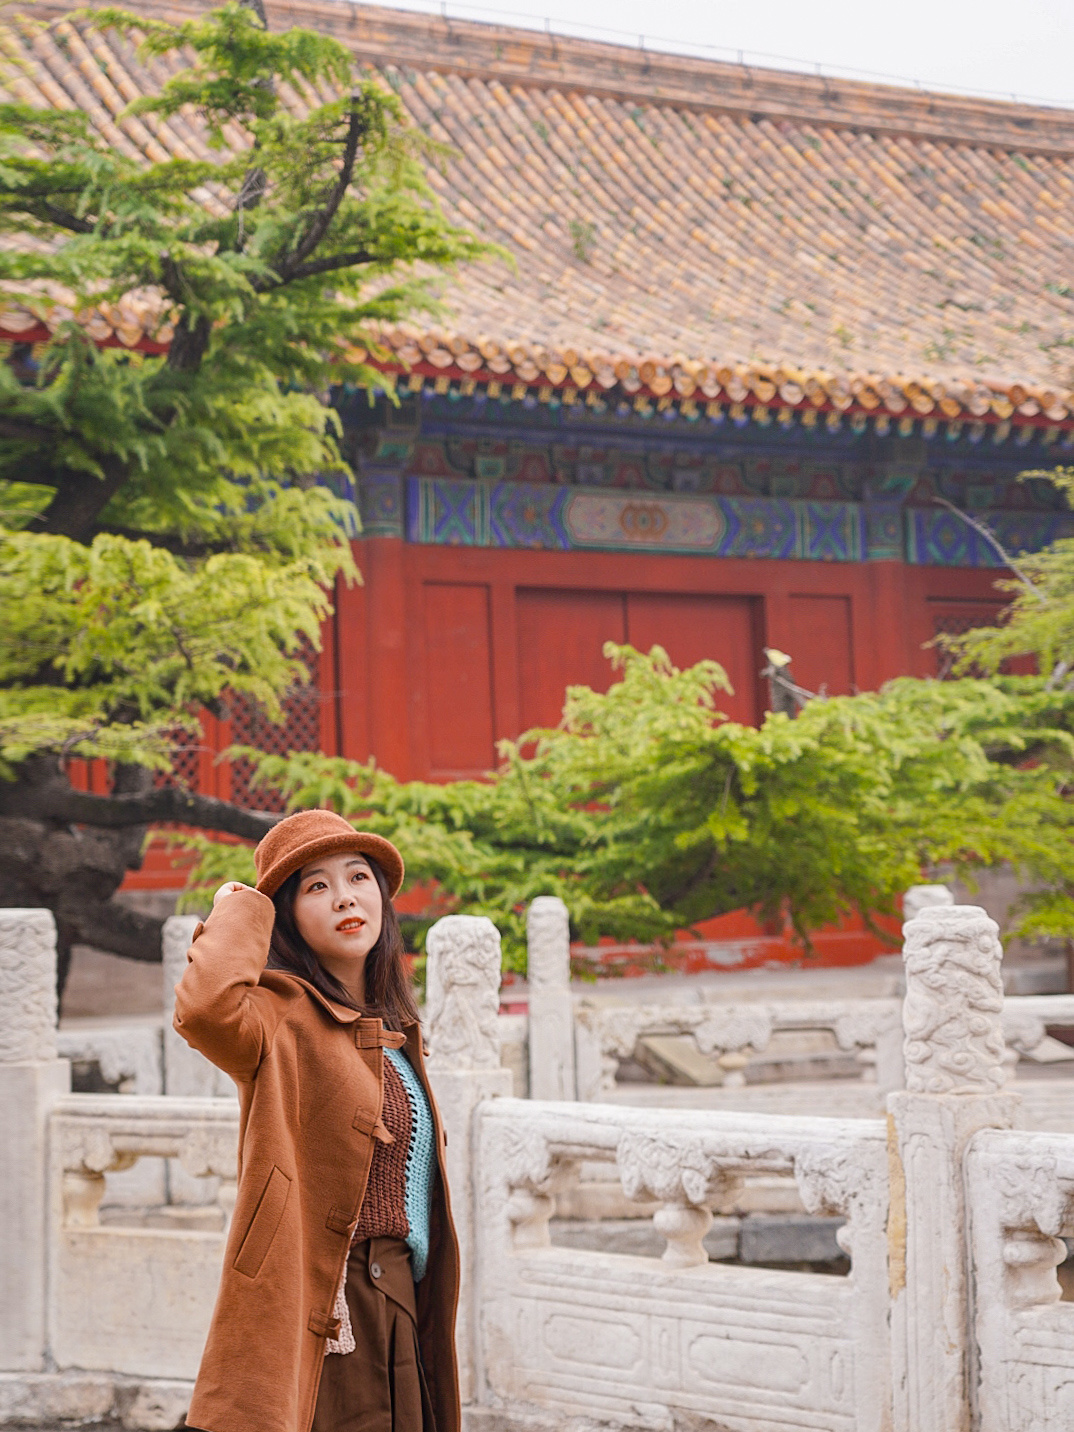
x=694 y=628
x=820 y=651
x=458 y=673
x=561 y=636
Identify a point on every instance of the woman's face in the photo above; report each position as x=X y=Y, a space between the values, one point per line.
x=338 y=909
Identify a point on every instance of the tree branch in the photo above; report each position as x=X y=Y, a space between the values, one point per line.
x=58 y=801
x=116 y=929
x=20 y=432
x=79 y=502
x=319 y=227
x=997 y=546
x=325 y=265
x=64 y=220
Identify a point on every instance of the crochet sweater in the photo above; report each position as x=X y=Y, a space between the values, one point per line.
x=399 y=1192
x=398 y=1196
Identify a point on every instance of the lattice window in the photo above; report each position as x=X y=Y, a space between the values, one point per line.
x=300 y=731
x=954 y=618
x=186 y=761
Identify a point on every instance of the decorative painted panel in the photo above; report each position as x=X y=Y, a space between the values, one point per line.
x=381 y=504
x=529 y=515
x=548 y=516
x=938 y=537
x=457 y=512
x=660 y=523
x=448 y=513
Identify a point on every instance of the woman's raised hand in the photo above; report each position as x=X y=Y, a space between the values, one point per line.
x=229 y=888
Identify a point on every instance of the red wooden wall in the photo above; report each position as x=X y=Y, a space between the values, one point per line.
x=446 y=650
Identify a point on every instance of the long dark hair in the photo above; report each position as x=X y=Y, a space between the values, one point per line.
x=387 y=982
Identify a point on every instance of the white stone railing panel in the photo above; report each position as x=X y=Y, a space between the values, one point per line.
x=606 y=1034
x=31 y=1078
x=615 y=1336
x=129 y=1056
x=135 y=1301
x=1020 y=1198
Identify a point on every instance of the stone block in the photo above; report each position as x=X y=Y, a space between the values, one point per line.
x=43 y=1398
x=157 y=1406
x=675 y=1059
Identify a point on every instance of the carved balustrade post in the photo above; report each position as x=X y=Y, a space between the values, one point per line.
x=551 y=1021
x=924 y=897
x=955 y=1071
x=31 y=1078
x=462 y=1006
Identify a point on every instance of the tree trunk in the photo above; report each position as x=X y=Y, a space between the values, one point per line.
x=74 y=871
x=68 y=852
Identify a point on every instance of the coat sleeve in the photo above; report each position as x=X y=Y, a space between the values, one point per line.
x=219 y=1008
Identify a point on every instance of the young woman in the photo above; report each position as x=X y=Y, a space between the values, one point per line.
x=336 y=1309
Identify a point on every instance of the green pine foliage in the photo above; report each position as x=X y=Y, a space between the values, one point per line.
x=647 y=814
x=171 y=527
x=163 y=537
x=1040 y=622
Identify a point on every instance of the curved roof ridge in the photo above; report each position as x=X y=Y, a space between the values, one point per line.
x=479 y=49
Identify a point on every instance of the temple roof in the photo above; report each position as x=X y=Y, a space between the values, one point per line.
x=686 y=228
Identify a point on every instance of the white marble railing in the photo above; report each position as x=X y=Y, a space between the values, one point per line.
x=948 y=1320
x=607 y=1034
x=1021 y=1195
x=134 y=1300
x=619 y=1337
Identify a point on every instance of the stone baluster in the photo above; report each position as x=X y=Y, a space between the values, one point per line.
x=31 y=1078
x=462 y=1005
x=551 y=1022
x=955 y=1071
x=684 y=1226
x=529 y=1213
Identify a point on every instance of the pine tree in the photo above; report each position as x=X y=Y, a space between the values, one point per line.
x=646 y=812
x=169 y=533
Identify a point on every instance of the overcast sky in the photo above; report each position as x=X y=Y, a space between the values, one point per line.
x=983 y=46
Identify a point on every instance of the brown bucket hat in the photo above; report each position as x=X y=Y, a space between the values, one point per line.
x=309 y=834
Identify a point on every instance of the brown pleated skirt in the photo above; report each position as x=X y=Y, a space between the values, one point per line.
x=380 y=1386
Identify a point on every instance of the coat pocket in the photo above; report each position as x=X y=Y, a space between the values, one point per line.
x=263 y=1225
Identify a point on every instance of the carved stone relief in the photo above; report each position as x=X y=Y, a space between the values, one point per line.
x=463 y=993
x=954 y=999
x=27 y=986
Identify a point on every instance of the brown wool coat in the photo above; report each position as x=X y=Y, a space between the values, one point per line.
x=310 y=1076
